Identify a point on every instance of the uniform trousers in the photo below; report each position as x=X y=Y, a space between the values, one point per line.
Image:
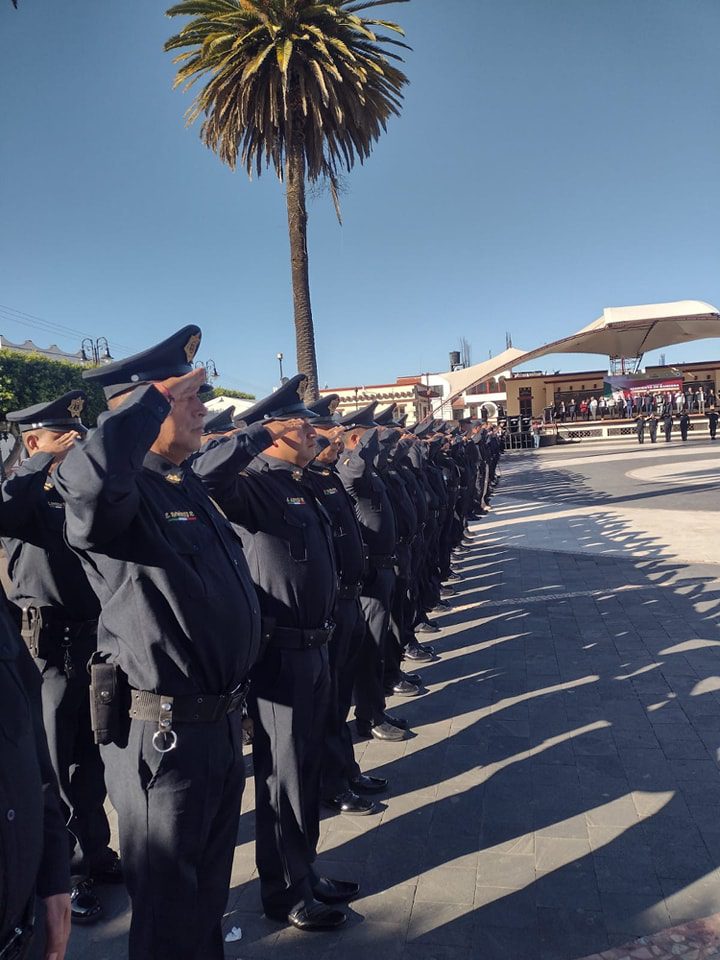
x=74 y=755
x=345 y=648
x=178 y=817
x=375 y=602
x=288 y=703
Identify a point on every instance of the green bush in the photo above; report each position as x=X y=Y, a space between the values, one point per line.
x=26 y=379
x=237 y=394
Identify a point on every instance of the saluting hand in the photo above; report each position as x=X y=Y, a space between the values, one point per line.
x=280 y=428
x=59 y=445
x=175 y=389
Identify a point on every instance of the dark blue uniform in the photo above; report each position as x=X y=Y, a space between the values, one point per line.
x=287 y=538
x=49 y=583
x=181 y=619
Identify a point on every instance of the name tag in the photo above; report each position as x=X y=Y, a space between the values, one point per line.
x=180 y=516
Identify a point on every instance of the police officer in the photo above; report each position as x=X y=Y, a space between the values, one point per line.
x=652 y=427
x=375 y=514
x=218 y=423
x=713 y=417
x=640 y=428
x=33 y=837
x=667 y=424
x=684 y=424
x=177 y=635
x=59 y=612
x=287 y=537
x=342 y=783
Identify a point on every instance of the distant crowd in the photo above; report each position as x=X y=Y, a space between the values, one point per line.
x=618 y=406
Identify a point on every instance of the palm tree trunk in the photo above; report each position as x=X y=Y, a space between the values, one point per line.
x=297 y=228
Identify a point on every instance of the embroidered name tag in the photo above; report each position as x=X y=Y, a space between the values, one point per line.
x=180 y=516
x=330 y=491
x=296 y=501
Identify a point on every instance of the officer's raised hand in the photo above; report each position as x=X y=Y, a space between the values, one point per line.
x=177 y=389
x=57 y=444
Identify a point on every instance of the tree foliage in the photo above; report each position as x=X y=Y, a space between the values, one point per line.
x=26 y=379
x=236 y=394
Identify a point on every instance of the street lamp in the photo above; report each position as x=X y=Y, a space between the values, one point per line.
x=95 y=351
x=280 y=359
x=210 y=368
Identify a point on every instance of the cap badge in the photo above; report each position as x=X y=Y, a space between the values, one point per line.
x=191 y=347
x=75 y=407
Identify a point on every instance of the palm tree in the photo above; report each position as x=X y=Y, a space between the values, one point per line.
x=303 y=86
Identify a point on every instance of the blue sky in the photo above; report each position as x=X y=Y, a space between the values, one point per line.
x=554 y=157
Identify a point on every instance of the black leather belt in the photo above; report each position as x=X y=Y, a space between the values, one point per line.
x=187 y=708
x=292 y=638
x=384 y=562
x=349 y=591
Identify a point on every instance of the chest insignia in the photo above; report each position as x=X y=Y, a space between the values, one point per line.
x=180 y=516
x=173 y=478
x=296 y=501
x=56 y=504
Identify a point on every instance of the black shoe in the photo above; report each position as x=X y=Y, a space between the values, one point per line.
x=84 y=905
x=412 y=678
x=380 y=731
x=425 y=626
x=402 y=689
x=441 y=605
x=109 y=870
x=335 y=891
x=419 y=654
x=364 y=783
x=349 y=802
x=312 y=916
x=399 y=722
x=453 y=578
x=447 y=592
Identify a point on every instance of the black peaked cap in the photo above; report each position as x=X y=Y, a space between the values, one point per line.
x=363 y=417
x=283 y=404
x=219 y=421
x=62 y=413
x=386 y=417
x=172 y=357
x=423 y=429
x=321 y=407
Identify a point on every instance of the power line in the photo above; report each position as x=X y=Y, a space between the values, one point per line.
x=12 y=315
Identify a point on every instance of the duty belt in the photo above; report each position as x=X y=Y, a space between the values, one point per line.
x=292 y=638
x=384 y=562
x=349 y=591
x=187 y=708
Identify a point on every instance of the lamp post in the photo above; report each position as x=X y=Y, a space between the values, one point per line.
x=210 y=368
x=280 y=359
x=95 y=351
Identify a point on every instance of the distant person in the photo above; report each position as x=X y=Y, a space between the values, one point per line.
x=583 y=409
x=572 y=410
x=593 y=408
x=536 y=431
x=713 y=417
x=701 y=401
x=653 y=427
x=640 y=428
x=684 y=424
x=679 y=401
x=667 y=425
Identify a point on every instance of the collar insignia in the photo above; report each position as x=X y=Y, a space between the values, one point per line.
x=173 y=477
x=191 y=347
x=75 y=407
x=297 y=475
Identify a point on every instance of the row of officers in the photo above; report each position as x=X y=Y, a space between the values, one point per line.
x=172 y=571
x=665 y=422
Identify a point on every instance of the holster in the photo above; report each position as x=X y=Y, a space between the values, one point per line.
x=34 y=632
x=109 y=702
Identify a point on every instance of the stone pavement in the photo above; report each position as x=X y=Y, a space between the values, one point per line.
x=560 y=794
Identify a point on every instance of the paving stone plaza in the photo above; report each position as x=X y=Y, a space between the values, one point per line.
x=560 y=794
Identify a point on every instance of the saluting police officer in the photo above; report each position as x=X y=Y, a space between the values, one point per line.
x=59 y=612
x=377 y=523
x=342 y=783
x=287 y=537
x=178 y=633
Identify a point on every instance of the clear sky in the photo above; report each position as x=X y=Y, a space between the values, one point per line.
x=554 y=157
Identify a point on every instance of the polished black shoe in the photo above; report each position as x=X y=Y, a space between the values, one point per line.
x=402 y=689
x=108 y=870
x=381 y=731
x=412 y=678
x=335 y=891
x=84 y=905
x=425 y=626
x=447 y=592
x=419 y=654
x=453 y=578
x=364 y=783
x=349 y=802
x=441 y=605
x=399 y=722
x=311 y=916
